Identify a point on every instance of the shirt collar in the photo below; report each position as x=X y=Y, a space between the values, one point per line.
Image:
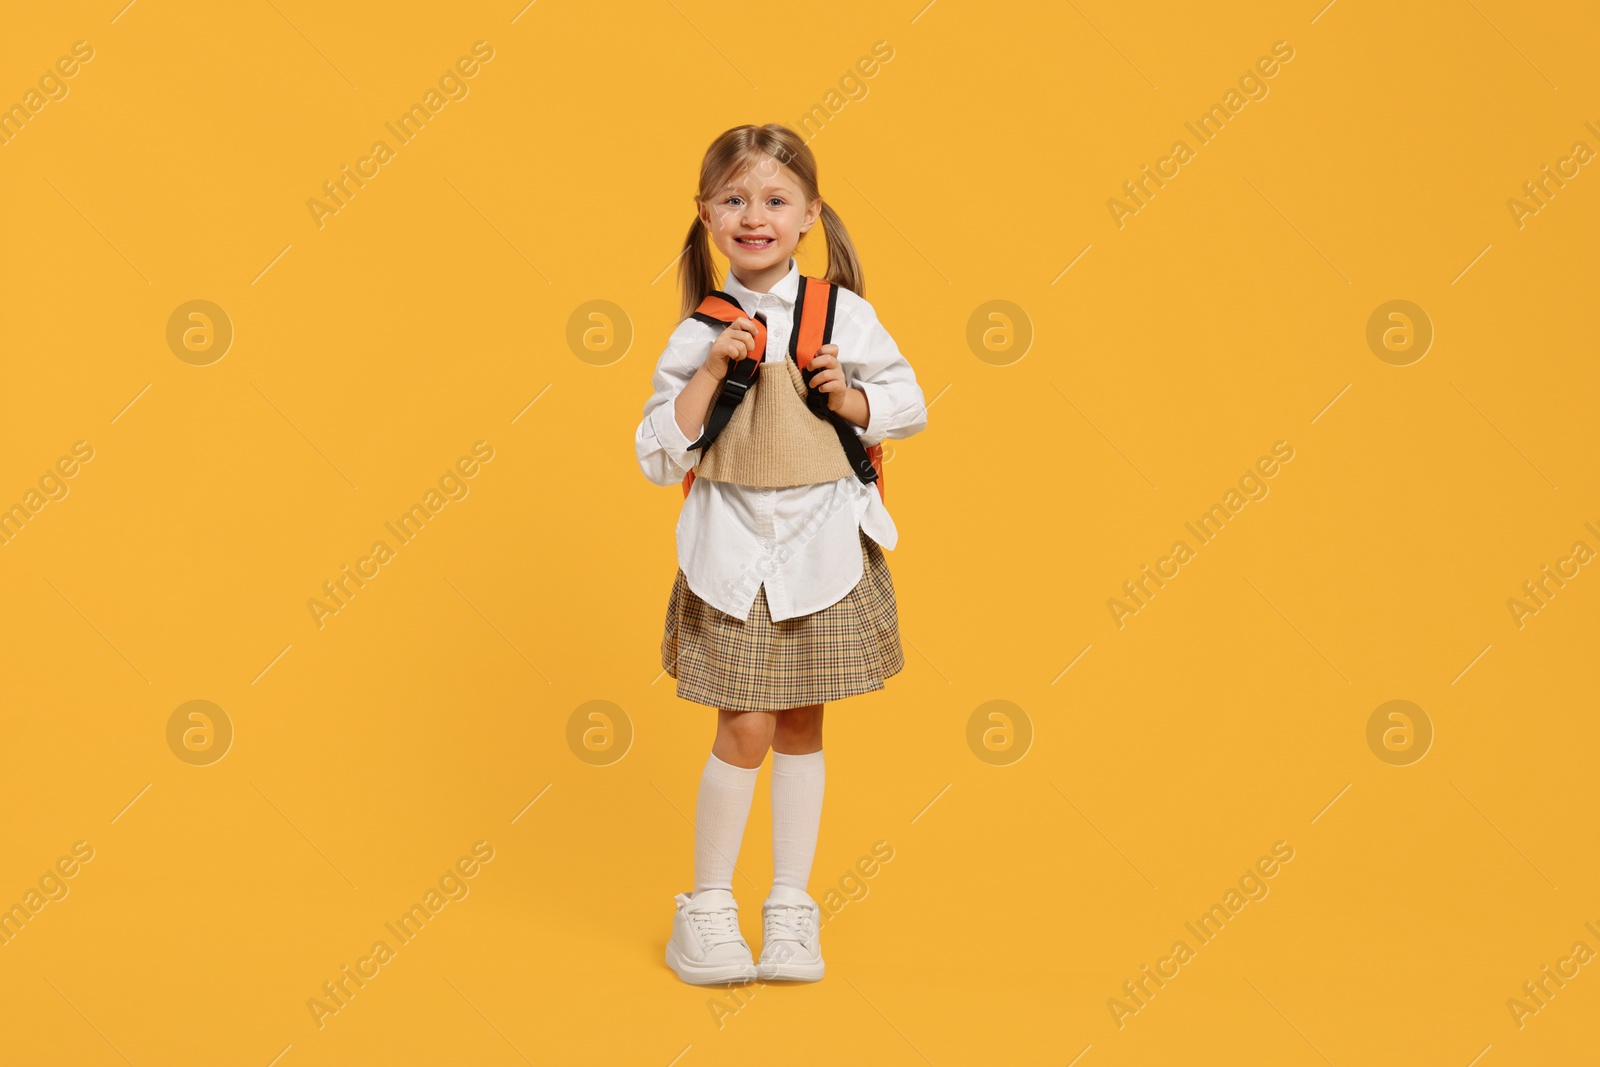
x=784 y=292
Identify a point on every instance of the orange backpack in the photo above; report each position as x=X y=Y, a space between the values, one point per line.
x=813 y=327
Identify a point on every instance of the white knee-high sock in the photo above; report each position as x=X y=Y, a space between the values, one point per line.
x=720 y=813
x=797 y=782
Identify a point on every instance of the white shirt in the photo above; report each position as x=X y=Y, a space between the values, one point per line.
x=801 y=542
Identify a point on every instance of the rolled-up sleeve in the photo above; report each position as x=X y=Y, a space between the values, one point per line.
x=663 y=450
x=872 y=363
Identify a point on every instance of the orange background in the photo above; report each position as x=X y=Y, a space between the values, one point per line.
x=436 y=310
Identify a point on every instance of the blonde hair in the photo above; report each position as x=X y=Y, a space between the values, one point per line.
x=731 y=152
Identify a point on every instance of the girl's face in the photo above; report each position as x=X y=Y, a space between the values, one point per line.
x=758 y=217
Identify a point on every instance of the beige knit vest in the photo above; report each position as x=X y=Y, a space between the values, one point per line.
x=773 y=440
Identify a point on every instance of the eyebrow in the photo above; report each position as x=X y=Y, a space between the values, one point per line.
x=730 y=187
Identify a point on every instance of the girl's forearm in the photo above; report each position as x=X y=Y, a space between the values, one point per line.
x=694 y=402
x=854 y=407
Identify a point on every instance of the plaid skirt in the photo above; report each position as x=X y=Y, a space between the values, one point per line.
x=847 y=648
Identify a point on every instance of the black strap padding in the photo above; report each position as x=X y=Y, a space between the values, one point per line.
x=741 y=377
x=854 y=451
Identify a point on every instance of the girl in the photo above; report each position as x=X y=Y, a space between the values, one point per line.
x=782 y=599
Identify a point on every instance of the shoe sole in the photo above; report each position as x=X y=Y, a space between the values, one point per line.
x=810 y=972
x=707 y=974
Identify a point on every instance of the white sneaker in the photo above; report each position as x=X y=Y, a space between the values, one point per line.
x=791 y=945
x=706 y=947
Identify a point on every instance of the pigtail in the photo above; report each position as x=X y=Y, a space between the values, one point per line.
x=844 y=266
x=696 y=274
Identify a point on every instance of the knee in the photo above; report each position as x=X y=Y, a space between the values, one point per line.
x=798 y=729
x=744 y=737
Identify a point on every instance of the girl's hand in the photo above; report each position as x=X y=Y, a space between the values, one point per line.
x=738 y=341
x=829 y=378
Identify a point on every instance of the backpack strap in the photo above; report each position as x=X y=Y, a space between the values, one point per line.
x=814 y=306
x=720 y=310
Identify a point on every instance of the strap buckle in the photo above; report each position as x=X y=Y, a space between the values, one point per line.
x=742 y=374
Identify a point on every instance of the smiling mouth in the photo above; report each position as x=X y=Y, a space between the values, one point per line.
x=755 y=242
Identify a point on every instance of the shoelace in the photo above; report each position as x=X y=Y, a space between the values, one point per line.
x=789 y=922
x=716 y=927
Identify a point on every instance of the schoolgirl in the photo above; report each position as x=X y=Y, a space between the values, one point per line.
x=770 y=403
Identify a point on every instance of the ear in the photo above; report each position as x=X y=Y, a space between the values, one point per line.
x=813 y=213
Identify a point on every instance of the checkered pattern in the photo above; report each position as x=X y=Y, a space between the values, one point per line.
x=847 y=648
